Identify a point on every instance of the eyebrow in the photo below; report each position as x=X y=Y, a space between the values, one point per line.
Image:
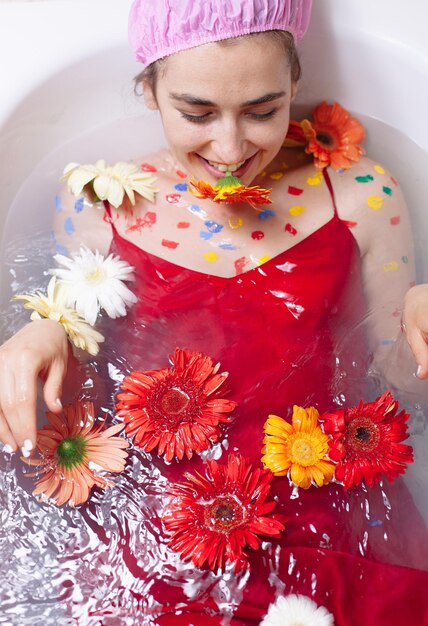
x=189 y=99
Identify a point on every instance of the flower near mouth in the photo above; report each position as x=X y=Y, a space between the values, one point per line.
x=230 y=190
x=177 y=410
x=73 y=449
x=111 y=183
x=299 y=449
x=296 y=610
x=365 y=441
x=212 y=519
x=333 y=137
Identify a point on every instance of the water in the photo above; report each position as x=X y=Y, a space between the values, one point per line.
x=88 y=566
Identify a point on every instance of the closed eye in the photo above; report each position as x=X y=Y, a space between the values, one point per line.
x=197 y=119
x=263 y=116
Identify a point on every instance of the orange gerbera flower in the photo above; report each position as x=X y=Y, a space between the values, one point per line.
x=333 y=137
x=73 y=450
x=230 y=190
x=299 y=449
x=177 y=409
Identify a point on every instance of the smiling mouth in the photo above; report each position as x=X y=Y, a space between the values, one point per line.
x=232 y=167
x=220 y=169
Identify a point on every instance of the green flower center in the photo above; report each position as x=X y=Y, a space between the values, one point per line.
x=71 y=451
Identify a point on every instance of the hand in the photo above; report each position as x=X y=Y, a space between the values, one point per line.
x=415 y=325
x=40 y=349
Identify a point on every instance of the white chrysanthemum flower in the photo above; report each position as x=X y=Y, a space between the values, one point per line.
x=92 y=282
x=54 y=306
x=111 y=182
x=296 y=610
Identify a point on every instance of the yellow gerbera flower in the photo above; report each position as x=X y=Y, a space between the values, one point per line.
x=299 y=449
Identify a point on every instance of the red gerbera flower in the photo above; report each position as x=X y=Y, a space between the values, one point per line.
x=211 y=520
x=366 y=441
x=333 y=137
x=177 y=409
x=230 y=190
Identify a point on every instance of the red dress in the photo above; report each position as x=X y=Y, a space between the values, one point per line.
x=288 y=332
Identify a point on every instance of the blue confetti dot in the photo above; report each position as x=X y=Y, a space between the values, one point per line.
x=266 y=213
x=227 y=246
x=204 y=235
x=213 y=227
x=58 y=205
x=79 y=205
x=61 y=249
x=195 y=208
x=375 y=522
x=387 y=342
x=68 y=226
x=181 y=186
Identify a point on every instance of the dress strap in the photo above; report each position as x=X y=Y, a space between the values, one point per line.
x=330 y=190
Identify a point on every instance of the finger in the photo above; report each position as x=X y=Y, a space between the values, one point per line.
x=419 y=348
x=6 y=436
x=52 y=389
x=25 y=428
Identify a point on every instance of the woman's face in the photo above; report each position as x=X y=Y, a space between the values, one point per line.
x=225 y=107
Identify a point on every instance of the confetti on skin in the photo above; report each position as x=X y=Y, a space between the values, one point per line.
x=294 y=191
x=405 y=259
x=226 y=245
x=148 y=219
x=375 y=202
x=239 y=265
x=395 y=220
x=146 y=167
x=290 y=229
x=194 y=208
x=181 y=174
x=296 y=210
x=314 y=180
x=396 y=313
x=210 y=257
x=394 y=181
x=412 y=283
x=58 y=205
x=183 y=225
x=266 y=213
x=375 y=522
x=257 y=234
x=213 y=227
x=387 y=342
x=236 y=222
x=69 y=226
x=350 y=224
x=387 y=190
x=79 y=205
x=276 y=175
x=173 y=198
x=263 y=259
x=391 y=266
x=169 y=244
x=364 y=179
x=181 y=186
x=379 y=169
x=205 y=235
x=61 y=249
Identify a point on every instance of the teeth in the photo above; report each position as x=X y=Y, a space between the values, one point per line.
x=227 y=168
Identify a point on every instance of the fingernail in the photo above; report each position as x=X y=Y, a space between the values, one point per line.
x=418 y=371
x=27 y=446
x=58 y=403
x=7 y=449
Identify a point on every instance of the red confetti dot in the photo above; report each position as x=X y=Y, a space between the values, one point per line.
x=290 y=229
x=146 y=167
x=396 y=313
x=257 y=234
x=173 y=198
x=394 y=181
x=240 y=264
x=148 y=219
x=169 y=244
x=183 y=224
x=350 y=224
x=412 y=284
x=395 y=220
x=294 y=191
x=181 y=174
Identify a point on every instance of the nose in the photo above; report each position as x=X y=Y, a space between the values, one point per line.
x=229 y=143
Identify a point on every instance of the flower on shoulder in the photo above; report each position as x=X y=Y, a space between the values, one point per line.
x=230 y=190
x=295 y=137
x=298 y=450
x=92 y=282
x=111 y=183
x=333 y=137
x=365 y=441
x=296 y=609
x=54 y=306
x=212 y=520
x=177 y=410
x=73 y=450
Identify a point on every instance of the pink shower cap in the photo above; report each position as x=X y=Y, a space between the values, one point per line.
x=158 y=28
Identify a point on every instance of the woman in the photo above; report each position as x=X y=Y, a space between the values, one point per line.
x=276 y=295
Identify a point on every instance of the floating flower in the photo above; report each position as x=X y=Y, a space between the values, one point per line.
x=299 y=449
x=296 y=610
x=73 y=450
x=333 y=137
x=54 y=306
x=366 y=441
x=212 y=520
x=111 y=182
x=230 y=190
x=92 y=281
x=177 y=410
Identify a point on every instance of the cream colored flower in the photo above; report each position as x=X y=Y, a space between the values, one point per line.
x=296 y=609
x=53 y=306
x=111 y=182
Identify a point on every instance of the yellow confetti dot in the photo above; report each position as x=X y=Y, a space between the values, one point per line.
x=379 y=169
x=236 y=222
x=211 y=257
x=296 y=210
x=314 y=180
x=276 y=175
x=375 y=202
x=391 y=266
x=263 y=259
x=284 y=165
